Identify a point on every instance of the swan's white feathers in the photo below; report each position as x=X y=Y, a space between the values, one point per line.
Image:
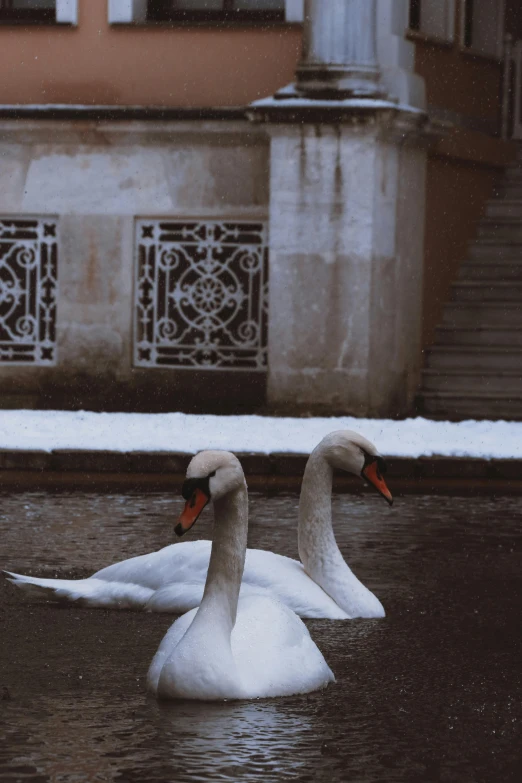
x=172 y=580
x=233 y=647
x=87 y=592
x=184 y=561
x=272 y=651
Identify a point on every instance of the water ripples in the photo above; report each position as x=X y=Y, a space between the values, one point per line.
x=432 y=692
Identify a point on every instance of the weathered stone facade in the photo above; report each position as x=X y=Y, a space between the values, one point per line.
x=330 y=174
x=96 y=178
x=346 y=217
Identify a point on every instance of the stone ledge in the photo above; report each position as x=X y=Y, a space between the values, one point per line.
x=100 y=113
x=270 y=471
x=355 y=111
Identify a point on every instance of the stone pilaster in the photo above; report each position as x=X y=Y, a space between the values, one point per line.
x=347 y=211
x=345 y=285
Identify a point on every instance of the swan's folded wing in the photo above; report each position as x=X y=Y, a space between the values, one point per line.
x=274 y=651
x=287 y=581
x=183 y=562
x=176 y=598
x=168 y=644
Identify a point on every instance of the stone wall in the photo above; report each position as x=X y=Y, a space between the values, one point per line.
x=97 y=178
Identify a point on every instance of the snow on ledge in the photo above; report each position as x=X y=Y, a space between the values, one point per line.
x=183 y=433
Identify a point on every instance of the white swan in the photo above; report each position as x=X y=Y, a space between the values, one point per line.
x=254 y=648
x=172 y=579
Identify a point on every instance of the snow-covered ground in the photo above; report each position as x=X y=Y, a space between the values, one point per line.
x=179 y=432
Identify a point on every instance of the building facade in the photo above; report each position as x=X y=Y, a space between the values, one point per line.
x=244 y=205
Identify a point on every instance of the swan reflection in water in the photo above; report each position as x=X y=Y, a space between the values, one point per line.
x=238 y=737
x=99 y=737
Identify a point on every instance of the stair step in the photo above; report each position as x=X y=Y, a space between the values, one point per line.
x=480 y=335
x=491 y=247
x=512 y=173
x=508 y=190
x=459 y=381
x=469 y=406
x=504 y=217
x=492 y=271
x=504 y=232
x=490 y=359
x=505 y=209
x=486 y=291
x=473 y=314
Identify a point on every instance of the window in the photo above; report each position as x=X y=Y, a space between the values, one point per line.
x=28 y=280
x=39 y=12
x=215 y=10
x=142 y=11
x=483 y=26
x=434 y=18
x=27 y=10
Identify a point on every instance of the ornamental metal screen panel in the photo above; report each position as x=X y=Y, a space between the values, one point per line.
x=200 y=294
x=28 y=282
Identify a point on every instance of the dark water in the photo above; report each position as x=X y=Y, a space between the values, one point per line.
x=431 y=693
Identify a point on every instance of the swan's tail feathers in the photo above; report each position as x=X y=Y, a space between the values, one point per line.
x=87 y=592
x=29 y=584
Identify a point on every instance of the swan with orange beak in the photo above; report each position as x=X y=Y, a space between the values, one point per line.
x=322 y=585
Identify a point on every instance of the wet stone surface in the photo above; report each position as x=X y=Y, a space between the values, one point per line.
x=431 y=693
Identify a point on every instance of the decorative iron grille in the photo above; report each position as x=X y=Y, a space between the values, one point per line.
x=200 y=294
x=28 y=281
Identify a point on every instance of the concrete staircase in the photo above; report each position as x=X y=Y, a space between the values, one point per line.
x=474 y=368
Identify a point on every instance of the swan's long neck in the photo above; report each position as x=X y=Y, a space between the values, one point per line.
x=316 y=540
x=201 y=665
x=318 y=549
x=227 y=561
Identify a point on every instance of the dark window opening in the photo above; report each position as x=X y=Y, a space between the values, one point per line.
x=27 y=11
x=468 y=24
x=415 y=15
x=216 y=10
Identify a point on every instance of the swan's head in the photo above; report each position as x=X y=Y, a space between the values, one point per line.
x=210 y=476
x=349 y=451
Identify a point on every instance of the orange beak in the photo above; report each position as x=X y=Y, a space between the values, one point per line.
x=372 y=474
x=193 y=508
